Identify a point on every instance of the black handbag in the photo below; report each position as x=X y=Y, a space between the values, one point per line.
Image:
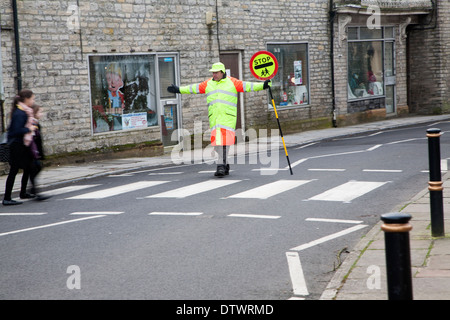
x=4 y=148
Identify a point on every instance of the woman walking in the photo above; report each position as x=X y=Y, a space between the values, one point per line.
x=20 y=135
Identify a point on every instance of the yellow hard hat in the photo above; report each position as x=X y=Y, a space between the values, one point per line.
x=218 y=66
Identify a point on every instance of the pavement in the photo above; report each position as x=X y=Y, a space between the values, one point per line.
x=362 y=275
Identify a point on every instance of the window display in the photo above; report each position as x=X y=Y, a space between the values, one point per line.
x=290 y=86
x=122 y=92
x=367 y=63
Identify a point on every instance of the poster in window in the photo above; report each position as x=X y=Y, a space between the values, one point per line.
x=134 y=120
x=298 y=80
x=122 y=92
x=168 y=117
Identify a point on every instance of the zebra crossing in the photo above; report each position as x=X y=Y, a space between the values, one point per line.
x=345 y=192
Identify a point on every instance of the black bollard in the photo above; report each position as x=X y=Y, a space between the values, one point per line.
x=435 y=183
x=396 y=229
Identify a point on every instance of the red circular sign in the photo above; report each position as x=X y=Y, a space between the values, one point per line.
x=263 y=65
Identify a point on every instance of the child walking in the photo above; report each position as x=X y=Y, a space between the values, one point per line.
x=37 y=153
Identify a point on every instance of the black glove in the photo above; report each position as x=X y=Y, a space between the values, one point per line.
x=266 y=84
x=173 y=89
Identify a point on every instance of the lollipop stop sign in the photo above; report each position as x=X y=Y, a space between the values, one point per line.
x=263 y=65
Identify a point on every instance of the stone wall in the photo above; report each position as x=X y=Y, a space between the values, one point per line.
x=429 y=63
x=54 y=55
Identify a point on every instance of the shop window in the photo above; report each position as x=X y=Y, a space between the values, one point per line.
x=365 y=64
x=366 y=61
x=122 y=92
x=290 y=86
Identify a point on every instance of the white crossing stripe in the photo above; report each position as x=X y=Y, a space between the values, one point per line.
x=270 y=189
x=193 y=189
x=348 y=191
x=118 y=190
x=69 y=189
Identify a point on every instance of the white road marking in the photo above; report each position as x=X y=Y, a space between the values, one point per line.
x=331 y=155
x=296 y=273
x=270 y=189
x=348 y=191
x=160 y=213
x=406 y=140
x=105 y=193
x=49 y=225
x=382 y=170
x=96 y=212
x=374 y=147
x=22 y=213
x=271 y=169
x=193 y=189
x=296 y=163
x=163 y=173
x=257 y=216
x=328 y=170
x=306 y=145
x=444 y=166
x=334 y=220
x=328 y=238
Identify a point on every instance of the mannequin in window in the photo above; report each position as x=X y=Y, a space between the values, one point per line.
x=374 y=87
x=354 y=82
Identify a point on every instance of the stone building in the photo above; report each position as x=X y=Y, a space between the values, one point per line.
x=101 y=68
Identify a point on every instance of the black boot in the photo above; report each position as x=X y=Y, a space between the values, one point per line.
x=220 y=172
x=11 y=202
x=227 y=169
x=27 y=195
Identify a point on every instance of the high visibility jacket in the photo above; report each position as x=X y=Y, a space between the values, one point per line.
x=222 y=97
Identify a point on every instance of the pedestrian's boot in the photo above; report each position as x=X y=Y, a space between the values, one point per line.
x=11 y=202
x=227 y=169
x=221 y=171
x=40 y=197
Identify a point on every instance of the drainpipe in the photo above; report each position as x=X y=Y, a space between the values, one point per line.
x=2 y=92
x=17 y=45
x=332 y=15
